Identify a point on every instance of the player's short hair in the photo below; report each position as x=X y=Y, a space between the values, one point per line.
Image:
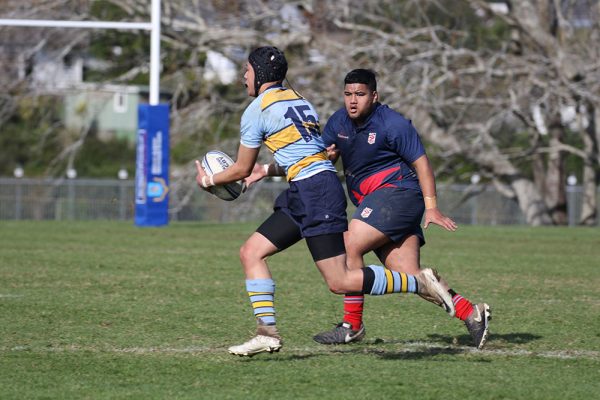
x=365 y=76
x=269 y=65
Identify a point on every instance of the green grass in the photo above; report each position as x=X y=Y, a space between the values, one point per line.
x=102 y=310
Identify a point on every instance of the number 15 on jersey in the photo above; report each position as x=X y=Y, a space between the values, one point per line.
x=306 y=124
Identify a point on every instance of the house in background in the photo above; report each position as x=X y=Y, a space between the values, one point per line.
x=109 y=110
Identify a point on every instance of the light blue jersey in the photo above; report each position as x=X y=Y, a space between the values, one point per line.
x=289 y=126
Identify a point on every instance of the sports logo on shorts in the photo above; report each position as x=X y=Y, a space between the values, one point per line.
x=366 y=212
x=372 y=137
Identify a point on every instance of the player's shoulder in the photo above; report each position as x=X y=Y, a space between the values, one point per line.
x=388 y=113
x=252 y=108
x=393 y=119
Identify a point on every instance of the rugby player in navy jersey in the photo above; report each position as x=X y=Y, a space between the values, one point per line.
x=390 y=180
x=313 y=207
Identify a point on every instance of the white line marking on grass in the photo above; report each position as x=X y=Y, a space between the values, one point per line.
x=406 y=348
x=127 y=350
x=10 y=296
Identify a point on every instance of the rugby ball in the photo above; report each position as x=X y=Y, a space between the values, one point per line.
x=216 y=161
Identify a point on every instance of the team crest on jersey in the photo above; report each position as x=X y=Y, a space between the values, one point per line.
x=366 y=212
x=372 y=137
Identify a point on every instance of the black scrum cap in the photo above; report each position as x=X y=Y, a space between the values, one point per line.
x=269 y=65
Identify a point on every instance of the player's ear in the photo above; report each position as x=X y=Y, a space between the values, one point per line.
x=375 y=96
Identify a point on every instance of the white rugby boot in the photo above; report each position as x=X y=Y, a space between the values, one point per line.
x=430 y=286
x=267 y=339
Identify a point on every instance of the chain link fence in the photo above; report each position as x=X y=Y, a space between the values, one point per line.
x=111 y=199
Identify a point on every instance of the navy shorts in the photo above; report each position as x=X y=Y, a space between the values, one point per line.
x=396 y=212
x=316 y=204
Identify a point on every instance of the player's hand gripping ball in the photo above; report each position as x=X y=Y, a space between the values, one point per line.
x=216 y=161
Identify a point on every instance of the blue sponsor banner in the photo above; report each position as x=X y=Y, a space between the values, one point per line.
x=152 y=166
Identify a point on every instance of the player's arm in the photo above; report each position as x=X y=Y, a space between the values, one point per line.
x=272 y=169
x=262 y=170
x=328 y=137
x=427 y=183
x=241 y=169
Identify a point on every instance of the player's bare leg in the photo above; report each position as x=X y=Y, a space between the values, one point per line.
x=360 y=239
x=377 y=280
x=339 y=278
x=405 y=256
x=261 y=290
x=253 y=256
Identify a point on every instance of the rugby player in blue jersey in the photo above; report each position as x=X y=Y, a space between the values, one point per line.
x=313 y=207
x=390 y=180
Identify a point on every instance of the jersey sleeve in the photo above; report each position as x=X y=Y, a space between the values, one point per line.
x=329 y=136
x=250 y=128
x=404 y=139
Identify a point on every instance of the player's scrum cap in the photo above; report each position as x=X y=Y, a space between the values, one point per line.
x=269 y=65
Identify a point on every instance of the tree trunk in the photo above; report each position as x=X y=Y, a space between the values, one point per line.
x=531 y=202
x=555 y=192
x=589 y=207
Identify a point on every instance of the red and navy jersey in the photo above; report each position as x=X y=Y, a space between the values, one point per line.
x=377 y=154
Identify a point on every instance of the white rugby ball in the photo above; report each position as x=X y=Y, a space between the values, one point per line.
x=216 y=161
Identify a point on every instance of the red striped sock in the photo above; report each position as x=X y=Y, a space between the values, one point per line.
x=353 y=310
x=463 y=307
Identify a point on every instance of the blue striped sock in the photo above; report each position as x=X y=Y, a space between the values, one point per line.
x=262 y=295
x=388 y=281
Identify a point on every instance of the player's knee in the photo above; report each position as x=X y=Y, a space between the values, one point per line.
x=336 y=290
x=247 y=253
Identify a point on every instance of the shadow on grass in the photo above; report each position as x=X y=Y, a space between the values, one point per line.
x=420 y=354
x=281 y=357
x=465 y=340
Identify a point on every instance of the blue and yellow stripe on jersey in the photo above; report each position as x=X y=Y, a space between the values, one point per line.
x=289 y=126
x=295 y=169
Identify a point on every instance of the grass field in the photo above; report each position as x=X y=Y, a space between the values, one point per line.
x=102 y=310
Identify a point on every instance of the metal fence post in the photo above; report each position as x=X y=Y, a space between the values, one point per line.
x=18 y=199
x=571 y=197
x=122 y=175
x=122 y=201
x=18 y=173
